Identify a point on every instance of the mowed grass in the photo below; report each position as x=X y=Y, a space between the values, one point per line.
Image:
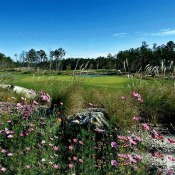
x=110 y=83
x=38 y=82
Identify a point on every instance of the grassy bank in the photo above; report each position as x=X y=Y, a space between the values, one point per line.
x=35 y=141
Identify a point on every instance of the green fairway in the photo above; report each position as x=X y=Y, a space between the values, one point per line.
x=35 y=81
x=45 y=82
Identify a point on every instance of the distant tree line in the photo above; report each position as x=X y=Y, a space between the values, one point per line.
x=5 y=62
x=135 y=59
x=131 y=60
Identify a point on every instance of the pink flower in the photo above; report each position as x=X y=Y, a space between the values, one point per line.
x=113 y=162
x=156 y=135
x=160 y=137
x=122 y=137
x=114 y=144
x=31 y=129
x=7 y=131
x=138 y=96
x=145 y=127
x=21 y=135
x=35 y=102
x=10 y=154
x=3 y=169
x=74 y=140
x=139 y=139
x=28 y=166
x=134 y=94
x=45 y=97
x=138 y=156
x=170 y=172
x=136 y=149
x=70 y=148
x=155 y=132
x=55 y=148
x=129 y=131
x=12 y=132
x=122 y=155
x=81 y=160
x=140 y=100
x=74 y=158
x=159 y=172
x=3 y=151
x=19 y=106
x=171 y=140
x=132 y=141
x=132 y=159
x=8 y=121
x=136 y=118
x=157 y=155
x=99 y=130
x=123 y=97
x=27 y=133
x=135 y=167
x=27 y=148
x=10 y=136
x=42 y=123
x=171 y=158
x=70 y=166
x=80 y=142
x=55 y=166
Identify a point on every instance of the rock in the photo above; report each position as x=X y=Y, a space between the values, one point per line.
x=94 y=116
x=161 y=152
x=19 y=90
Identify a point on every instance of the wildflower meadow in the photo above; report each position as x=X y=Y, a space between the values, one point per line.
x=36 y=140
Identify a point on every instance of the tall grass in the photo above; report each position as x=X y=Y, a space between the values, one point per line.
x=35 y=141
x=159 y=97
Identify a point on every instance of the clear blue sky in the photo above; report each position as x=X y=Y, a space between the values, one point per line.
x=84 y=28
